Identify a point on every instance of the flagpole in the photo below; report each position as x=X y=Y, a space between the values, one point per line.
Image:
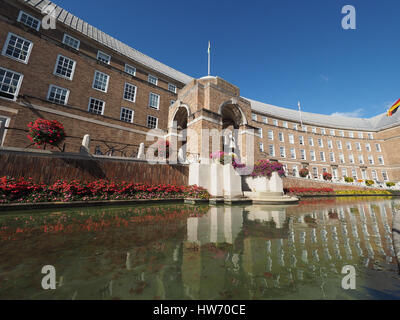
x=209 y=58
x=301 y=117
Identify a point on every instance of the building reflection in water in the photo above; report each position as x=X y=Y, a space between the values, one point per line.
x=261 y=247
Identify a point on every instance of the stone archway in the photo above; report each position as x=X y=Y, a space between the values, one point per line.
x=179 y=125
x=232 y=118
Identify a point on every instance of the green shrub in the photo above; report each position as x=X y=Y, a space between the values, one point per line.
x=348 y=179
x=390 y=184
x=369 y=182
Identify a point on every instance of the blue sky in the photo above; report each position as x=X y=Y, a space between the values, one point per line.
x=278 y=51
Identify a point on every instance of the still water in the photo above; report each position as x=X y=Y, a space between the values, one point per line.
x=201 y=252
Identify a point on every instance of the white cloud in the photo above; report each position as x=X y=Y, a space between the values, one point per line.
x=358 y=113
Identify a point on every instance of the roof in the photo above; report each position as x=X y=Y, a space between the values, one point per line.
x=377 y=123
x=88 y=30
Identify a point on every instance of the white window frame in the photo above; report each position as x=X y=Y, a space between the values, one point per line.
x=60 y=75
x=371 y=159
x=281 y=137
x=276 y=123
x=73 y=38
x=127 y=66
x=384 y=173
x=271 y=147
x=29 y=15
x=104 y=106
x=301 y=141
x=133 y=114
x=134 y=98
x=58 y=87
x=332 y=157
x=253 y=117
x=342 y=159
x=265 y=119
x=171 y=85
x=147 y=122
x=293 y=153
x=4 y=52
x=378 y=147
x=94 y=80
x=381 y=160
x=312 y=155
x=282 y=152
x=303 y=154
x=151 y=76
x=8 y=119
x=21 y=77
x=320 y=143
x=322 y=156
x=261 y=146
x=351 y=158
x=285 y=124
x=291 y=138
x=330 y=144
x=159 y=98
x=99 y=52
x=260 y=132
x=270 y=135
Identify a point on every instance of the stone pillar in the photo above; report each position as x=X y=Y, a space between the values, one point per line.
x=85 y=148
x=276 y=183
x=199 y=175
x=216 y=180
x=141 y=154
x=232 y=182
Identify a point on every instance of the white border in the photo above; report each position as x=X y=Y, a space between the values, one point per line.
x=147 y=122
x=66 y=96
x=133 y=115
x=101 y=52
x=94 y=80
x=67 y=35
x=29 y=15
x=171 y=84
x=18 y=86
x=130 y=66
x=134 y=98
x=159 y=98
x=4 y=51
x=148 y=79
x=102 y=111
x=73 y=68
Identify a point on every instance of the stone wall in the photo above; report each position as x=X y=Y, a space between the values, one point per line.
x=48 y=167
x=290 y=182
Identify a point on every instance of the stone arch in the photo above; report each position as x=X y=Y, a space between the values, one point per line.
x=181 y=116
x=232 y=115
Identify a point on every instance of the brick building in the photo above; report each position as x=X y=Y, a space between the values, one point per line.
x=95 y=84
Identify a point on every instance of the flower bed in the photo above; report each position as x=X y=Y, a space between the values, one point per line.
x=309 y=191
x=26 y=191
x=362 y=192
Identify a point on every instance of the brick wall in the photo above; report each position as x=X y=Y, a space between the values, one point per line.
x=51 y=167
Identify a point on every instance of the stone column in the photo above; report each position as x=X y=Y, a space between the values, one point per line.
x=85 y=148
x=141 y=154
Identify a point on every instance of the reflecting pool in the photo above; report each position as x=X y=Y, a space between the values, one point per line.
x=181 y=251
